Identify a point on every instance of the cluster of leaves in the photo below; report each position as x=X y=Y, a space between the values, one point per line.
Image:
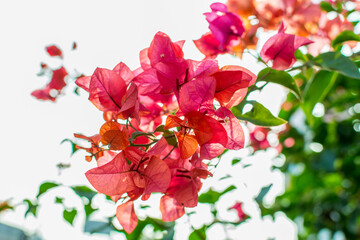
x=323 y=162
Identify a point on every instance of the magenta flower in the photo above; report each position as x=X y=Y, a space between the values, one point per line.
x=281 y=48
x=226 y=29
x=224 y=25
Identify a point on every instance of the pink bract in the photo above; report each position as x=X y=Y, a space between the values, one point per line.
x=281 y=49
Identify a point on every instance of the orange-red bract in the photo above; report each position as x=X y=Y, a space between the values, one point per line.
x=173 y=121
x=114 y=135
x=94 y=150
x=187 y=144
x=231 y=84
x=202 y=129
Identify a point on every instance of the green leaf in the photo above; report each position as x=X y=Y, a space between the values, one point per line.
x=279 y=77
x=345 y=36
x=263 y=193
x=89 y=209
x=160 y=128
x=135 y=235
x=316 y=91
x=235 y=161
x=5 y=206
x=59 y=200
x=225 y=177
x=198 y=234
x=300 y=56
x=69 y=216
x=170 y=138
x=84 y=191
x=326 y=6
x=209 y=197
x=335 y=61
x=97 y=227
x=212 y=196
x=136 y=134
x=230 y=188
x=73 y=145
x=144 y=206
x=258 y=115
x=32 y=207
x=76 y=91
x=46 y=186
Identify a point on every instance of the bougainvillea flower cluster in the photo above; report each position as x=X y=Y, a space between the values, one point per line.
x=162 y=121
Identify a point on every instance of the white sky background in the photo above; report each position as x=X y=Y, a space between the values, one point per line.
x=106 y=32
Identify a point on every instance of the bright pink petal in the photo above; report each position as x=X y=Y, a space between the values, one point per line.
x=197 y=94
x=162 y=49
x=184 y=191
x=130 y=103
x=106 y=90
x=225 y=26
x=84 y=82
x=199 y=69
x=218 y=7
x=124 y=71
x=148 y=83
x=211 y=150
x=209 y=46
x=126 y=216
x=281 y=48
x=159 y=147
x=157 y=175
x=106 y=158
x=233 y=128
x=301 y=41
x=170 y=209
x=113 y=178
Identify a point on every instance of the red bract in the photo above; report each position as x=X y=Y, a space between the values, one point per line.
x=54 y=51
x=44 y=94
x=238 y=207
x=112 y=91
x=231 y=85
x=197 y=95
x=209 y=46
x=281 y=48
x=54 y=87
x=162 y=64
x=233 y=128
